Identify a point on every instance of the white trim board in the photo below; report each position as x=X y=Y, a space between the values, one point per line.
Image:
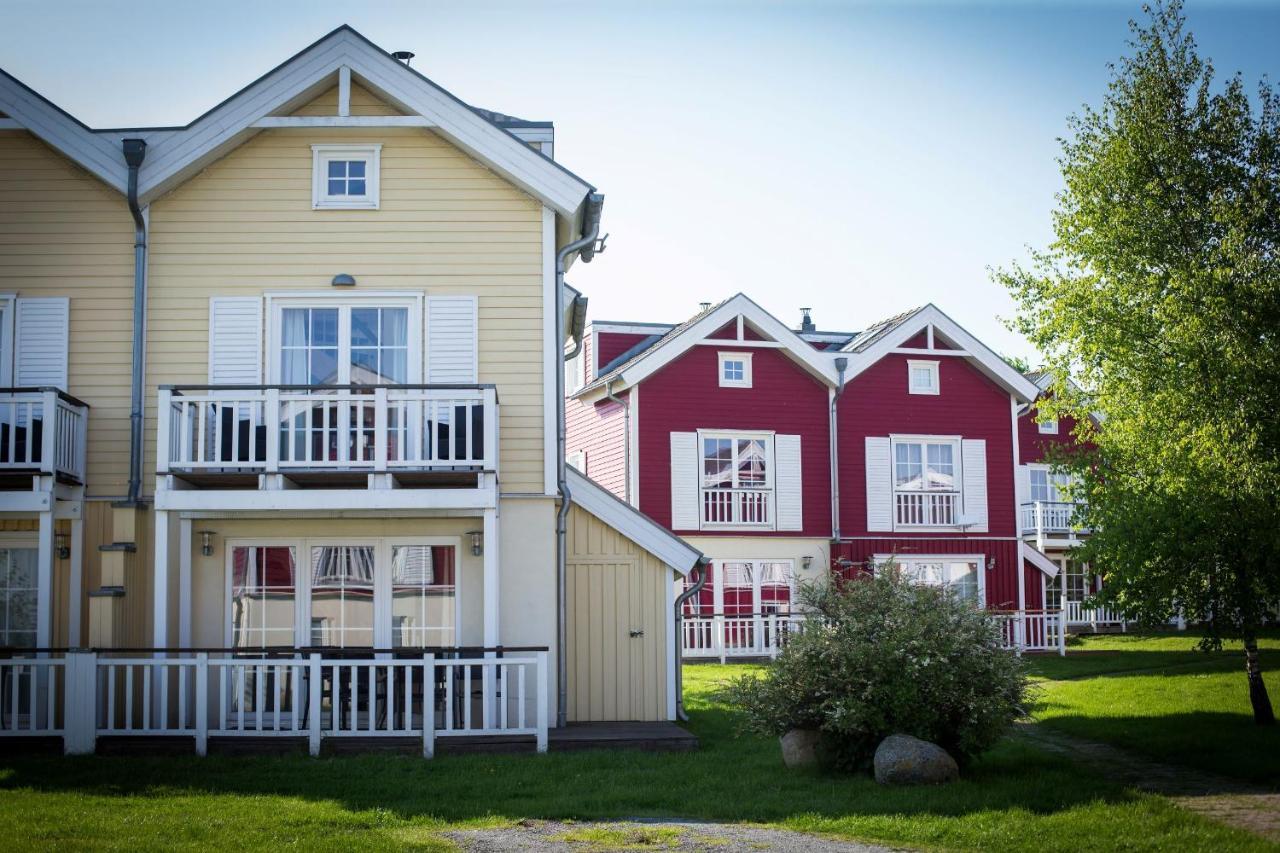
x=630 y=522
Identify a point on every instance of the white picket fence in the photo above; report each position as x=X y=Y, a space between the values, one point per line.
x=1032 y=630
x=1078 y=614
x=313 y=696
x=752 y=635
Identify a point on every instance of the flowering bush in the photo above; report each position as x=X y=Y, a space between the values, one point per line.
x=886 y=656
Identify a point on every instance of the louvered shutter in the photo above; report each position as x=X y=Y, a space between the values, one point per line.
x=452 y=331
x=235 y=340
x=879 y=484
x=973 y=462
x=787 y=485
x=684 y=481
x=1024 y=485
x=40 y=347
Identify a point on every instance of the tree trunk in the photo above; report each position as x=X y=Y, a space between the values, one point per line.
x=1263 y=715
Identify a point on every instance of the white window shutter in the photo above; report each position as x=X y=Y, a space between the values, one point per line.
x=1023 y=486
x=879 y=484
x=42 y=329
x=235 y=340
x=684 y=481
x=787 y=484
x=973 y=462
x=452 y=332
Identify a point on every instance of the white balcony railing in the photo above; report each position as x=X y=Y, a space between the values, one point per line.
x=752 y=635
x=1078 y=614
x=1049 y=518
x=737 y=507
x=43 y=430
x=284 y=428
x=1032 y=630
x=925 y=509
x=301 y=694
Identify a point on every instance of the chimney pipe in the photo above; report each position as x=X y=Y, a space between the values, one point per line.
x=806 y=324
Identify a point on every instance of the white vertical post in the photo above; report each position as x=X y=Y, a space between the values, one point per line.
x=164 y=412
x=490 y=432
x=543 y=698
x=1062 y=633
x=380 y=437
x=428 y=706
x=202 y=703
x=313 y=703
x=184 y=583
x=49 y=436
x=271 y=417
x=80 y=704
x=344 y=90
x=492 y=580
x=44 y=579
x=718 y=628
x=77 y=577
x=160 y=583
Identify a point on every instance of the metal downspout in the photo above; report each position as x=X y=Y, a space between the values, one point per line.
x=703 y=569
x=590 y=230
x=842 y=364
x=626 y=439
x=134 y=152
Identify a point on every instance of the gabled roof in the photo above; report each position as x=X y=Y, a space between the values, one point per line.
x=1036 y=557
x=876 y=330
x=632 y=523
x=176 y=154
x=650 y=357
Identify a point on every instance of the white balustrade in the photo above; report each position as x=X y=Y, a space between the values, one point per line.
x=1078 y=614
x=29 y=690
x=752 y=635
x=925 y=509
x=737 y=507
x=369 y=428
x=42 y=429
x=1039 y=518
x=1032 y=630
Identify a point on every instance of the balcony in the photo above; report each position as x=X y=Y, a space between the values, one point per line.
x=1049 y=520
x=42 y=432
x=737 y=508
x=925 y=509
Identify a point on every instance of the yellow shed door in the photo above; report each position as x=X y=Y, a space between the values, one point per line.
x=617 y=639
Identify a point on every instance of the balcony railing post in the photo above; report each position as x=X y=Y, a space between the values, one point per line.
x=48 y=433
x=313 y=703
x=490 y=409
x=271 y=419
x=1062 y=633
x=202 y=703
x=380 y=429
x=542 y=702
x=428 y=706
x=164 y=429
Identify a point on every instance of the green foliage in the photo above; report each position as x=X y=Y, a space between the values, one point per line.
x=1161 y=294
x=889 y=656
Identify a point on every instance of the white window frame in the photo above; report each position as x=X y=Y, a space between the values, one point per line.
x=914 y=364
x=276 y=303
x=1051 y=481
x=321 y=155
x=578 y=461
x=1048 y=427
x=724 y=358
x=769 y=474
x=25 y=541
x=957 y=489
x=382 y=609
x=979 y=559
x=9 y=307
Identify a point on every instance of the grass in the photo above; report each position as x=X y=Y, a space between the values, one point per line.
x=1157 y=696
x=1014 y=796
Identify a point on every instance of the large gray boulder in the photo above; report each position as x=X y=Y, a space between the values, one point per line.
x=800 y=747
x=907 y=760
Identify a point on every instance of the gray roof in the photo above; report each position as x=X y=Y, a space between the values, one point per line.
x=878 y=330
x=615 y=368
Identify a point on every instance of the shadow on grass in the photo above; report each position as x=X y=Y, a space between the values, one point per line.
x=1122 y=663
x=730 y=779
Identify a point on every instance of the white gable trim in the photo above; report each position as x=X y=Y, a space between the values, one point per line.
x=992 y=365
x=633 y=524
x=813 y=361
x=1037 y=558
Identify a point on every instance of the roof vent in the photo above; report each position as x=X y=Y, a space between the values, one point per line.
x=704 y=307
x=403 y=55
x=806 y=324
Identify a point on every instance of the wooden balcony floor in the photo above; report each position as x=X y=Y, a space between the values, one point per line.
x=327 y=478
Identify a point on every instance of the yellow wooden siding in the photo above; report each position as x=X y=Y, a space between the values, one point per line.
x=363 y=103
x=446 y=225
x=615 y=587
x=63 y=233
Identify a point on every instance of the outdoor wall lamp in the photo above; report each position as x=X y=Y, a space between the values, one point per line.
x=63 y=546
x=206 y=543
x=991 y=564
x=477 y=541
x=806 y=560
x=343 y=280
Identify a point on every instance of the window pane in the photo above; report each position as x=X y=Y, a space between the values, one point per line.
x=963 y=580
x=337 y=168
x=337 y=187
x=717 y=463
x=355 y=187
x=364 y=327
x=342 y=595
x=395 y=327
x=294 y=327
x=751 y=463
x=293 y=370
x=355 y=168
x=364 y=367
x=324 y=367
x=423 y=591
x=395 y=365
x=263 y=594
x=324 y=327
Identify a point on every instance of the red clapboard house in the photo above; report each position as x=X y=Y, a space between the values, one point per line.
x=721 y=427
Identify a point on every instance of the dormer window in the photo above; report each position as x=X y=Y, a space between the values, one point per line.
x=735 y=370
x=922 y=377
x=345 y=176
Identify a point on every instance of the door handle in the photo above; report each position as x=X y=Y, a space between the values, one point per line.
x=635 y=633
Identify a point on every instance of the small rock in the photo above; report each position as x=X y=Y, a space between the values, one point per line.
x=800 y=747
x=907 y=760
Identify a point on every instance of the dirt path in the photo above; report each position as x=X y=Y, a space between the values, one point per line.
x=1239 y=804
x=647 y=835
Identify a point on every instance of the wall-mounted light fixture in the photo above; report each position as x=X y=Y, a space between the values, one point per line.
x=991 y=564
x=477 y=541
x=206 y=543
x=343 y=280
x=63 y=545
x=806 y=560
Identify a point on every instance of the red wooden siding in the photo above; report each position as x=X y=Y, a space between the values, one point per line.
x=970 y=405
x=1032 y=444
x=686 y=396
x=1001 y=582
x=599 y=430
x=614 y=344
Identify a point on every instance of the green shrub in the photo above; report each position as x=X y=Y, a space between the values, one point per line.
x=889 y=656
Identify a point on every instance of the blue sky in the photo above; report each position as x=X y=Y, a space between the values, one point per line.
x=858 y=157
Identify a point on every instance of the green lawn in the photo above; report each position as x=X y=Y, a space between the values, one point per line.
x=1157 y=696
x=1013 y=798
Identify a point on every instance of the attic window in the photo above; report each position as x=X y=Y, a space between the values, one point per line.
x=922 y=377
x=345 y=176
x=735 y=370
x=1048 y=426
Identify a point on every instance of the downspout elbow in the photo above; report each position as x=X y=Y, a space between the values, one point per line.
x=135 y=150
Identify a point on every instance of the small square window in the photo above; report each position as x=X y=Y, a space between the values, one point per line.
x=1048 y=427
x=922 y=377
x=345 y=176
x=735 y=370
